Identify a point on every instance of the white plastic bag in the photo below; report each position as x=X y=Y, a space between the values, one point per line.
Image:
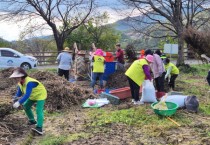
x=178 y=99
x=148 y=92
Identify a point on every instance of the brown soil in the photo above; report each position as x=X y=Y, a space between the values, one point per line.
x=5 y=105
x=75 y=120
x=117 y=80
x=61 y=95
x=11 y=127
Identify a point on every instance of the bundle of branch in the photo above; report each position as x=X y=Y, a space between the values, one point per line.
x=198 y=41
x=6 y=82
x=12 y=126
x=61 y=93
x=4 y=133
x=117 y=80
x=5 y=105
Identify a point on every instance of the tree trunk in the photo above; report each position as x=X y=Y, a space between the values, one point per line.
x=180 y=60
x=59 y=40
x=59 y=43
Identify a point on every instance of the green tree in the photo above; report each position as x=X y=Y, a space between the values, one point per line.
x=173 y=15
x=95 y=31
x=168 y=39
x=61 y=16
x=4 y=43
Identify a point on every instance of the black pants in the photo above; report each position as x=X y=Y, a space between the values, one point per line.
x=172 y=81
x=134 y=89
x=159 y=83
x=62 y=72
x=208 y=78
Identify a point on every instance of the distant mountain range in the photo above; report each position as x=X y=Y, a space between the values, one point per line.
x=128 y=33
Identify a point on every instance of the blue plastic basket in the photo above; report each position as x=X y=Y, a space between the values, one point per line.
x=110 y=68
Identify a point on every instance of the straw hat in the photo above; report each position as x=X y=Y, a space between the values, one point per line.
x=66 y=49
x=118 y=44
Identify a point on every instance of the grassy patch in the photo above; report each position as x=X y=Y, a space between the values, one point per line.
x=202 y=69
x=53 y=70
x=195 y=84
x=205 y=108
x=141 y=116
x=27 y=140
x=50 y=114
x=55 y=140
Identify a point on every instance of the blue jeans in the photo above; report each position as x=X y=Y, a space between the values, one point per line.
x=94 y=77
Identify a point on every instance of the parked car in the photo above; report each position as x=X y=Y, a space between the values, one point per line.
x=12 y=58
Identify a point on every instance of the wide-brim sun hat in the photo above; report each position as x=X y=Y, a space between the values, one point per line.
x=66 y=49
x=149 y=58
x=16 y=74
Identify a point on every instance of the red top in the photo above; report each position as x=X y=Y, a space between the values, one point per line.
x=120 y=56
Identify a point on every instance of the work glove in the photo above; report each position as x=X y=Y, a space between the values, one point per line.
x=16 y=104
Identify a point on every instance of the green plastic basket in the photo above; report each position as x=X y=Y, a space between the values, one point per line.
x=172 y=107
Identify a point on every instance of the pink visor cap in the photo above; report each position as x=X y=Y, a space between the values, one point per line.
x=149 y=58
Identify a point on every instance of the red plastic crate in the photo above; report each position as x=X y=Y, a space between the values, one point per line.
x=109 y=57
x=121 y=93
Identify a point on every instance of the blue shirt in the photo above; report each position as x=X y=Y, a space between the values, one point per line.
x=65 y=60
x=29 y=88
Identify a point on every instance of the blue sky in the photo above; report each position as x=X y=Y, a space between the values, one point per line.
x=11 y=31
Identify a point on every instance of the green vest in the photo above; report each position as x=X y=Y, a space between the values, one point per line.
x=98 y=64
x=38 y=93
x=136 y=72
x=174 y=70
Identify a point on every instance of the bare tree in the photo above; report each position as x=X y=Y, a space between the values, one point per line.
x=61 y=16
x=171 y=15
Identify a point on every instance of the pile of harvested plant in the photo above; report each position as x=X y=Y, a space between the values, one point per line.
x=12 y=126
x=117 y=80
x=6 y=82
x=5 y=105
x=61 y=93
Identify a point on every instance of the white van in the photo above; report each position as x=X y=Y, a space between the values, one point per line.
x=12 y=58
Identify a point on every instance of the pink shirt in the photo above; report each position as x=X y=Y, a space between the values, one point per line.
x=157 y=66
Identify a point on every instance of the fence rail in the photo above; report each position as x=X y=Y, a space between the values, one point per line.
x=49 y=58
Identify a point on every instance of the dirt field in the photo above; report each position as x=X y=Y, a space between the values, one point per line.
x=111 y=124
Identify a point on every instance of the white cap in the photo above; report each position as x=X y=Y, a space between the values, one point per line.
x=16 y=74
